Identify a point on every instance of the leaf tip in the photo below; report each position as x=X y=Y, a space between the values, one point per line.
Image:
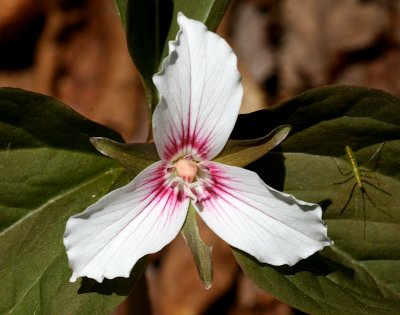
x=207 y=285
x=94 y=140
x=98 y=143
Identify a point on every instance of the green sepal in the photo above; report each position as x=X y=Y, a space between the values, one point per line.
x=200 y=251
x=137 y=156
x=134 y=157
x=243 y=152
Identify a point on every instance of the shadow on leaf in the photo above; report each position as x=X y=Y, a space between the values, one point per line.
x=317 y=264
x=119 y=286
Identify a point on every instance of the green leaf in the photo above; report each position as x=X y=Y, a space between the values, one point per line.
x=243 y=152
x=359 y=273
x=200 y=251
x=49 y=171
x=121 y=5
x=150 y=24
x=326 y=119
x=356 y=274
x=134 y=157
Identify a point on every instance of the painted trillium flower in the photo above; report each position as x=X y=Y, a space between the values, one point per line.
x=200 y=96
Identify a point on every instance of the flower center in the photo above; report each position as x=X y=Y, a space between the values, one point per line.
x=186 y=169
x=190 y=178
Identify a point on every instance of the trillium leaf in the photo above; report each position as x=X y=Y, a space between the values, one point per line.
x=150 y=24
x=200 y=251
x=49 y=171
x=322 y=120
x=243 y=152
x=121 y=6
x=134 y=157
x=359 y=273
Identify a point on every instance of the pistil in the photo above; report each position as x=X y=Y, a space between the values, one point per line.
x=186 y=169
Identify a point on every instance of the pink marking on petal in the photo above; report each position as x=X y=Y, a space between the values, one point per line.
x=187 y=146
x=223 y=186
x=219 y=187
x=161 y=194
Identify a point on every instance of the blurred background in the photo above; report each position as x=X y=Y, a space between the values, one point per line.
x=75 y=50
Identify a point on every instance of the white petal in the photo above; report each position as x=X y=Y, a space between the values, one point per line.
x=200 y=94
x=272 y=226
x=109 y=237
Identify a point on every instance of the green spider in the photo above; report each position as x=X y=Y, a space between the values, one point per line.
x=361 y=180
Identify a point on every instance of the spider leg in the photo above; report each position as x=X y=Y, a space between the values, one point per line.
x=344 y=181
x=362 y=191
x=370 y=173
x=377 y=154
x=376 y=187
x=341 y=170
x=356 y=203
x=363 y=173
x=348 y=199
x=374 y=204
